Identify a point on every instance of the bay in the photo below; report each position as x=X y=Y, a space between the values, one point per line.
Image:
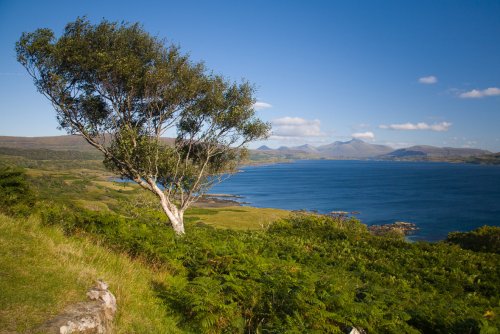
x=438 y=197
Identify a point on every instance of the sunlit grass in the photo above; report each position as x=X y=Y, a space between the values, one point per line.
x=42 y=271
x=116 y=185
x=237 y=217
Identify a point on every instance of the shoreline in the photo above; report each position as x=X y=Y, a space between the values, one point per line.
x=218 y=201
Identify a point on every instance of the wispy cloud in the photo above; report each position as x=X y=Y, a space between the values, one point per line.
x=363 y=135
x=397 y=145
x=295 y=127
x=443 y=126
x=477 y=94
x=259 y=105
x=431 y=79
x=470 y=144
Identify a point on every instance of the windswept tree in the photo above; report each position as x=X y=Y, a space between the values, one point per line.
x=122 y=89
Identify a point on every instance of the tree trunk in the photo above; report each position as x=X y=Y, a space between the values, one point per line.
x=178 y=225
x=175 y=216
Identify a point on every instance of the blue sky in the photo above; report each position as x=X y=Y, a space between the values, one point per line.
x=389 y=72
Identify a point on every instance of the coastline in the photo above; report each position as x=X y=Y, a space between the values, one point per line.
x=218 y=201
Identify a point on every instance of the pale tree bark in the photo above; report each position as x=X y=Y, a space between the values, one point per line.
x=175 y=215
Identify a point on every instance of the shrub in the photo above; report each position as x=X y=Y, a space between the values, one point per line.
x=16 y=196
x=482 y=239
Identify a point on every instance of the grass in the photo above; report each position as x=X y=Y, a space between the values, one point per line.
x=92 y=205
x=42 y=271
x=237 y=217
x=120 y=186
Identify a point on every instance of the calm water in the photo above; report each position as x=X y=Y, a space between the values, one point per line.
x=438 y=197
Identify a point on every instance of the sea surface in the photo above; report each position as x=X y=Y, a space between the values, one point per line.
x=438 y=197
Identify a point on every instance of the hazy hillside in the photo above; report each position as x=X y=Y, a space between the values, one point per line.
x=354 y=148
x=306 y=148
x=58 y=143
x=489 y=159
x=425 y=151
x=73 y=143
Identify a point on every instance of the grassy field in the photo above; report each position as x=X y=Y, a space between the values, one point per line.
x=236 y=217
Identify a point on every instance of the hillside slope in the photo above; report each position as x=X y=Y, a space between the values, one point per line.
x=74 y=143
x=354 y=148
x=42 y=271
x=58 y=143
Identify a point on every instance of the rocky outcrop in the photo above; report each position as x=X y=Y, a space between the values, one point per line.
x=94 y=316
x=402 y=228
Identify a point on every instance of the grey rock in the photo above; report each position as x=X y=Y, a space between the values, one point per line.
x=94 y=316
x=355 y=330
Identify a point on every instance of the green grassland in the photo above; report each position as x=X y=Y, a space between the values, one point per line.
x=237 y=270
x=42 y=271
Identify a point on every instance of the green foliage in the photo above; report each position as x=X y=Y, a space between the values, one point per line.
x=16 y=196
x=306 y=273
x=482 y=239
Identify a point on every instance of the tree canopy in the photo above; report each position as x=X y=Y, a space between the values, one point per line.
x=123 y=90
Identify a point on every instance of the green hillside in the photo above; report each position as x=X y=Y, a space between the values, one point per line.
x=42 y=271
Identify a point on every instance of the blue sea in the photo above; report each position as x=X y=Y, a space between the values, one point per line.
x=438 y=197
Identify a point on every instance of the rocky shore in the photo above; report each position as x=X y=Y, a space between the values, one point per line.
x=218 y=201
x=404 y=228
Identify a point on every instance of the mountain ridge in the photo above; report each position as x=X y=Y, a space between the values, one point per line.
x=351 y=149
x=354 y=148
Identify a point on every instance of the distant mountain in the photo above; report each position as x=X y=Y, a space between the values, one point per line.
x=432 y=152
x=354 y=148
x=58 y=143
x=358 y=149
x=305 y=148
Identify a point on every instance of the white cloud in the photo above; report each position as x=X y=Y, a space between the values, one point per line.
x=259 y=105
x=431 y=79
x=443 y=126
x=363 y=135
x=287 y=127
x=477 y=94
